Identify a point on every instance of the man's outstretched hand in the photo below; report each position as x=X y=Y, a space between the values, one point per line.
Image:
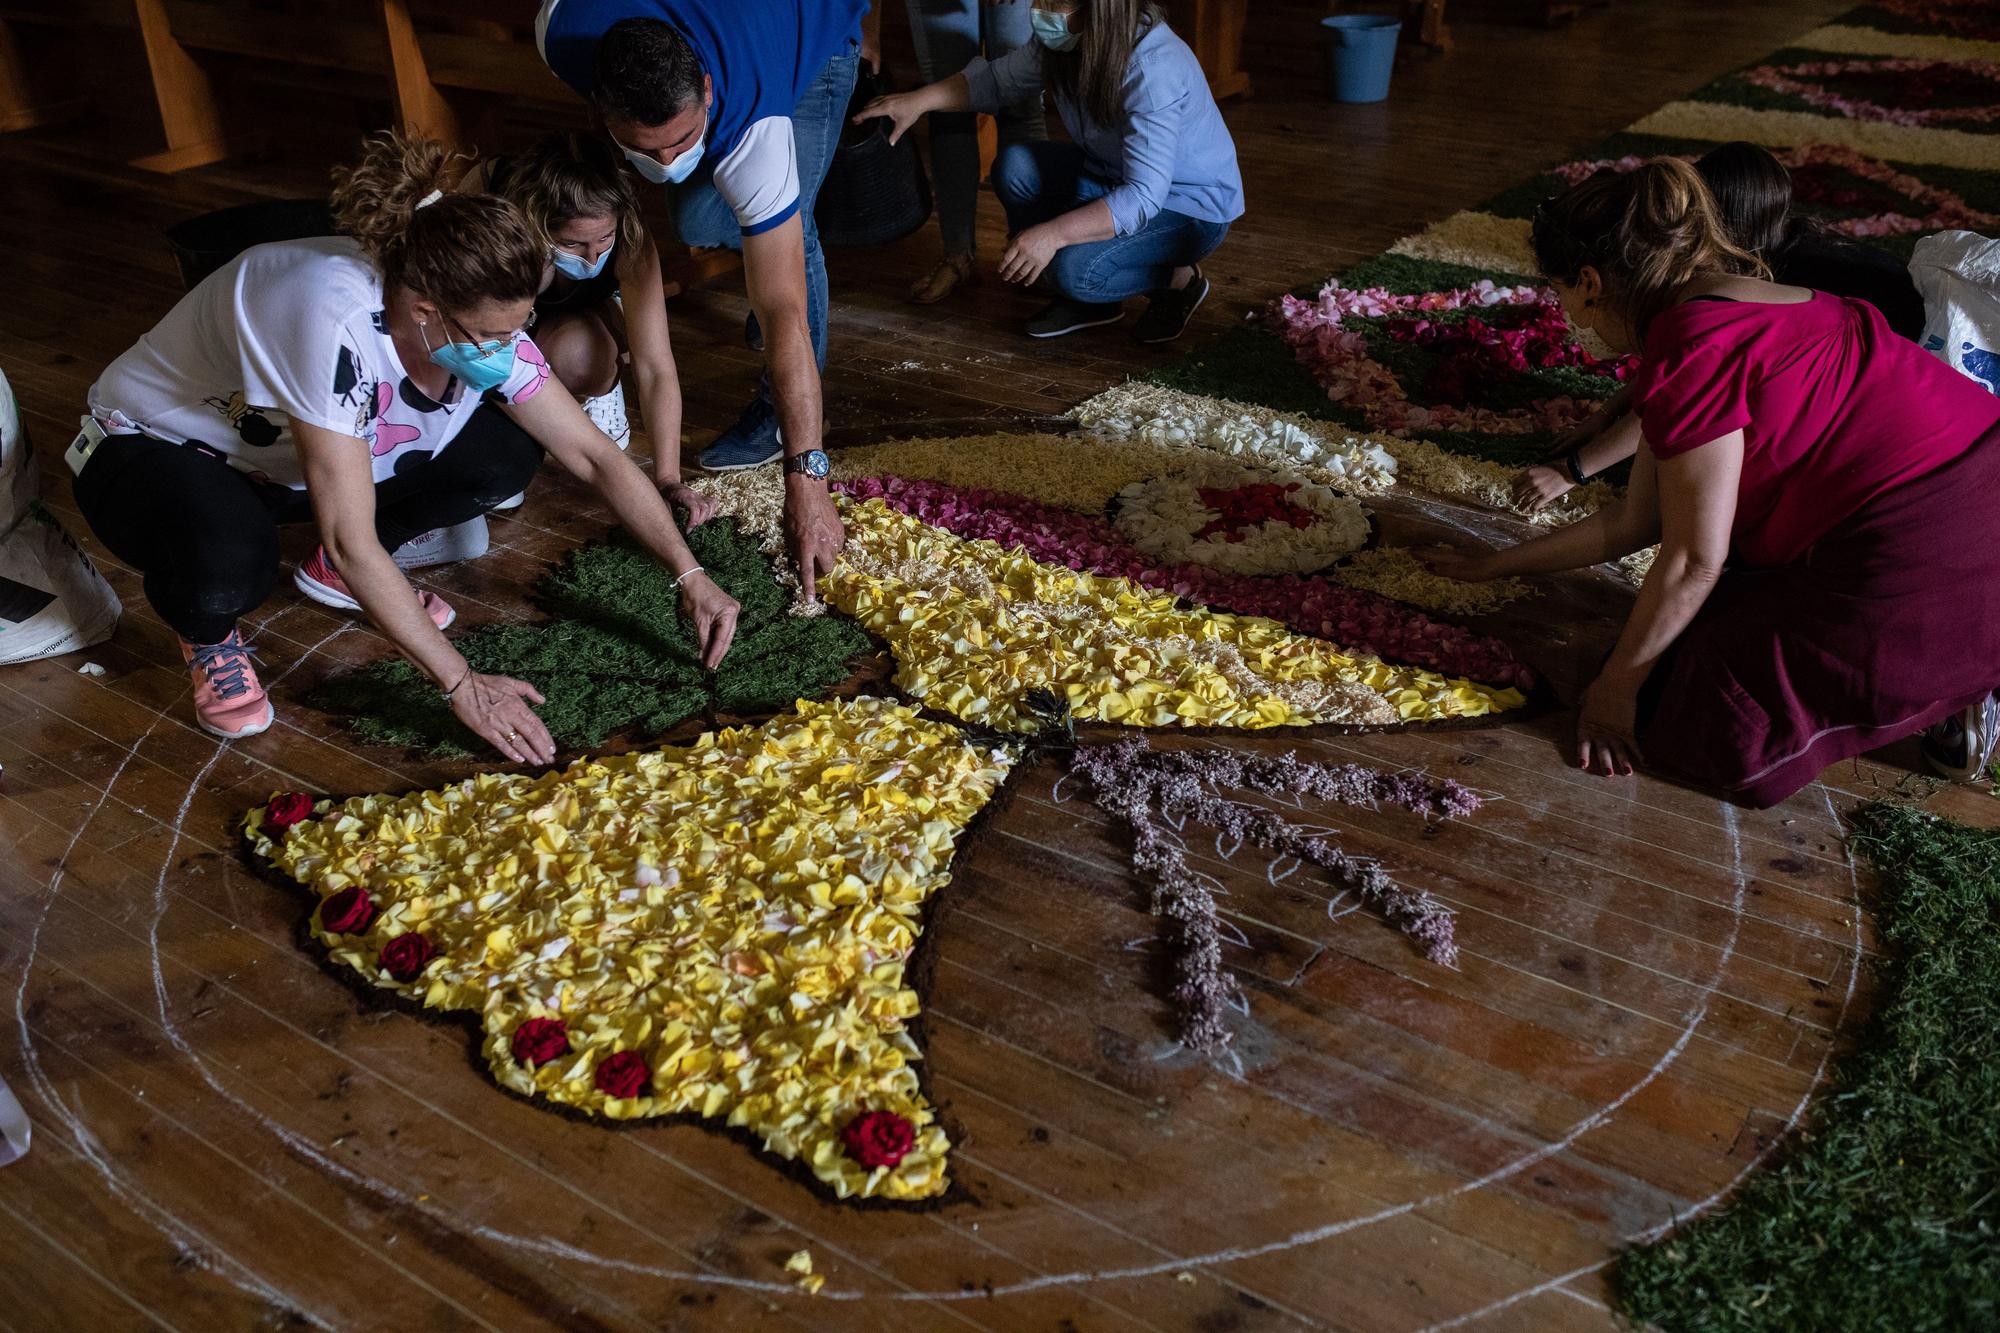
x=813 y=532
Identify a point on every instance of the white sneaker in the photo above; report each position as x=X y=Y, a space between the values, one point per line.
x=513 y=501
x=607 y=413
x=1961 y=747
x=440 y=546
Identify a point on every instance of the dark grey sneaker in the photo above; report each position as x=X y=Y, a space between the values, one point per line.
x=1961 y=748
x=1066 y=316
x=1168 y=315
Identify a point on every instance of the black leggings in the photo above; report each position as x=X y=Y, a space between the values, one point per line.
x=206 y=535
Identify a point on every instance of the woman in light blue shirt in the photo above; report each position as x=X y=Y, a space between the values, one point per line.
x=1145 y=190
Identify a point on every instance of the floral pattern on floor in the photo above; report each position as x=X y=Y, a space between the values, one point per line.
x=976 y=628
x=718 y=931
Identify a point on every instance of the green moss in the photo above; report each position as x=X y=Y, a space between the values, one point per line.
x=1886 y=1213
x=1405 y=276
x=617 y=656
x=1251 y=365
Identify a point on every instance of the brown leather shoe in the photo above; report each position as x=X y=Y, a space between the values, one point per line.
x=952 y=272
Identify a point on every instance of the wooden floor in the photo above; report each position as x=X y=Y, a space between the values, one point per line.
x=1651 y=986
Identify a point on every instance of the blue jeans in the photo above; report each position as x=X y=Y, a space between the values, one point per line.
x=703 y=218
x=947 y=35
x=1040 y=181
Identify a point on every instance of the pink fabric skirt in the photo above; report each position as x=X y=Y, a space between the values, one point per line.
x=1889 y=624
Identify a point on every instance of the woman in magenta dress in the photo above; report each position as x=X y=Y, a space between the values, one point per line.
x=1806 y=474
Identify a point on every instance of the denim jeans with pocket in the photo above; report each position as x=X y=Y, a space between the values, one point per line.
x=1038 y=182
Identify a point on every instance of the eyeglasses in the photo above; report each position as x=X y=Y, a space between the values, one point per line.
x=495 y=346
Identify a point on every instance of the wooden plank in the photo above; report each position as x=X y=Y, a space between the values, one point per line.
x=21 y=106
x=189 y=111
x=1216 y=28
x=1459 y=1137
x=421 y=108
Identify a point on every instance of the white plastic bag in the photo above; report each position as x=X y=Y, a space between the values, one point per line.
x=52 y=599
x=15 y=1131
x=1958 y=275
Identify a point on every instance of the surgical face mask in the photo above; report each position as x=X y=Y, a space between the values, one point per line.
x=481 y=366
x=576 y=266
x=667 y=173
x=1052 y=30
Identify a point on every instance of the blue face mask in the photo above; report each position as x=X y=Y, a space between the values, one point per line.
x=576 y=266
x=1052 y=30
x=481 y=366
x=667 y=173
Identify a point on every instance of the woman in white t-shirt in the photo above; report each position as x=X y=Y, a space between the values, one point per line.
x=380 y=383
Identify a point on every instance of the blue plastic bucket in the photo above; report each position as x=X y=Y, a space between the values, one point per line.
x=1360 y=55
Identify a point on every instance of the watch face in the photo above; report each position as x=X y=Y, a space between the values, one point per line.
x=813 y=463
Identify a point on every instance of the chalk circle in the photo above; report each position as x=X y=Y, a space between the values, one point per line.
x=551 y=1248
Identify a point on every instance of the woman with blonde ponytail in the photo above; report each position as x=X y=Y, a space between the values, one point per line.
x=380 y=383
x=1752 y=191
x=1805 y=473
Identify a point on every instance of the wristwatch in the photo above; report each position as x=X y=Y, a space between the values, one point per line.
x=1573 y=464
x=812 y=463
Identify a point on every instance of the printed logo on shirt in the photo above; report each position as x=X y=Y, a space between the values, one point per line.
x=346 y=373
x=352 y=389
x=250 y=423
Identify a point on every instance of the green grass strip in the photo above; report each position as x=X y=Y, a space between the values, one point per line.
x=1886 y=1212
x=1253 y=365
x=617 y=656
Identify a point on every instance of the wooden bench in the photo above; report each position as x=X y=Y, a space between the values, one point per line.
x=418 y=63
x=434 y=65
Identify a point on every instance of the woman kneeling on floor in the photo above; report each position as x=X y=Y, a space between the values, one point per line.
x=1807 y=475
x=380 y=383
x=601 y=317
x=1144 y=192
x=1752 y=191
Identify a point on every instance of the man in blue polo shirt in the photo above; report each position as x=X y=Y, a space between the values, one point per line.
x=736 y=106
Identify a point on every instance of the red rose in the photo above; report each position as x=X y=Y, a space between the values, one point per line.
x=878 y=1138
x=286 y=809
x=622 y=1075
x=540 y=1040
x=347 y=912
x=406 y=956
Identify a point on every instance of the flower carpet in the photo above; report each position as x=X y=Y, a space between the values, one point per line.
x=722 y=930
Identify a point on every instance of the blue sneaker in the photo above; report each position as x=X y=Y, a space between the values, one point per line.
x=752 y=442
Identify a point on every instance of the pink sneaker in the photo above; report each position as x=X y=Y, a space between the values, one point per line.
x=228 y=701
x=319 y=580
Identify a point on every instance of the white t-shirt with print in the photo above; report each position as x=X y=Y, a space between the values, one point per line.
x=293 y=330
